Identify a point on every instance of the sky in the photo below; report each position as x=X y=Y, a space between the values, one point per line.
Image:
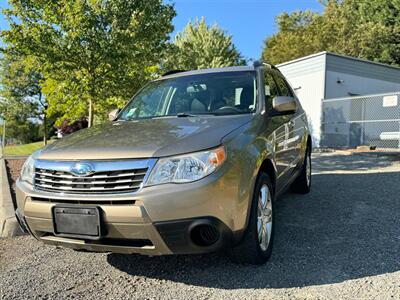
x=248 y=21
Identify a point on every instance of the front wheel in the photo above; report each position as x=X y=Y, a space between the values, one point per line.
x=256 y=245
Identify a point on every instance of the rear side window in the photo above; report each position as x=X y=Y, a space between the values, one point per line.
x=283 y=87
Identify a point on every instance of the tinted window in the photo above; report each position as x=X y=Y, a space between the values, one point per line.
x=284 y=89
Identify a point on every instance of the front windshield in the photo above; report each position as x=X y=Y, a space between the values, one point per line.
x=224 y=93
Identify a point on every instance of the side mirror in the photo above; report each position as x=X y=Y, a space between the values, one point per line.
x=283 y=105
x=113 y=114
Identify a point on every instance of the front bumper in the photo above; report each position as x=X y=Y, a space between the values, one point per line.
x=158 y=220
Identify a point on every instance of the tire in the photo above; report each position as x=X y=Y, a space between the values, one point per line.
x=302 y=183
x=250 y=250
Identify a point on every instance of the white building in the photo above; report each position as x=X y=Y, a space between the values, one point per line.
x=328 y=75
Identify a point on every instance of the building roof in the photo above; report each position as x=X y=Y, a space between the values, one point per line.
x=337 y=55
x=328 y=61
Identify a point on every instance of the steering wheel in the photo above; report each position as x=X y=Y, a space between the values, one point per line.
x=229 y=108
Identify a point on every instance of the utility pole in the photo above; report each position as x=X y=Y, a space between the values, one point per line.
x=44 y=106
x=3 y=140
x=90 y=121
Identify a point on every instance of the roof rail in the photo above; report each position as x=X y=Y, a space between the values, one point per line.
x=259 y=63
x=172 y=72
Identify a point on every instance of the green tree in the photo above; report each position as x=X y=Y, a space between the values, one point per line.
x=360 y=28
x=21 y=97
x=23 y=131
x=200 y=46
x=298 y=28
x=94 y=53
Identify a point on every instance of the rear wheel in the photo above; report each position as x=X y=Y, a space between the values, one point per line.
x=302 y=184
x=256 y=245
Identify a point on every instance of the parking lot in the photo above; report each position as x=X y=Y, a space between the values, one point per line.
x=340 y=241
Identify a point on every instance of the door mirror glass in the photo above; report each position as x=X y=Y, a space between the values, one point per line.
x=284 y=105
x=113 y=114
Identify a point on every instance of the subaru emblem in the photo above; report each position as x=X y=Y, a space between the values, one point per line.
x=82 y=169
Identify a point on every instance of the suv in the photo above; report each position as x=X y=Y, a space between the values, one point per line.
x=192 y=164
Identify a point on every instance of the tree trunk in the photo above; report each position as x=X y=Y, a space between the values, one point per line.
x=45 y=129
x=44 y=120
x=92 y=95
x=90 y=121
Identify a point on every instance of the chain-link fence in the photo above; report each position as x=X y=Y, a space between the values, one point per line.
x=372 y=120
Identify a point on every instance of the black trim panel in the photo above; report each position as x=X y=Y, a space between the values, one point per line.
x=177 y=235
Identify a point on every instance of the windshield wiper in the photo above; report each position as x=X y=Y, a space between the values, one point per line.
x=178 y=115
x=185 y=115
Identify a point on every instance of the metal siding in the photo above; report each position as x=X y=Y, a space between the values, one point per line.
x=360 y=68
x=303 y=67
x=355 y=84
x=309 y=75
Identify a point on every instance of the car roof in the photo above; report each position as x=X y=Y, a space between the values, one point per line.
x=206 y=71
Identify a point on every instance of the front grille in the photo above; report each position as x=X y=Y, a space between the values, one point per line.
x=121 y=181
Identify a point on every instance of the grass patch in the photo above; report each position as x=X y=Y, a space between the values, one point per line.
x=23 y=150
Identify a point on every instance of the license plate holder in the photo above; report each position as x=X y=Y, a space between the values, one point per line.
x=77 y=222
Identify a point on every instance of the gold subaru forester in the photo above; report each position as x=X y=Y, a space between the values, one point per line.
x=192 y=164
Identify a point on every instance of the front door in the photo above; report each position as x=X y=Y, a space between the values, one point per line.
x=293 y=127
x=278 y=130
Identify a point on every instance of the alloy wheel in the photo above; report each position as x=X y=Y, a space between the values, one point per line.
x=264 y=217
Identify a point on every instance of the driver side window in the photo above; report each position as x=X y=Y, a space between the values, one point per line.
x=283 y=86
x=270 y=88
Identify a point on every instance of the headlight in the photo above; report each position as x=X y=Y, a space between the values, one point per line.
x=187 y=168
x=28 y=170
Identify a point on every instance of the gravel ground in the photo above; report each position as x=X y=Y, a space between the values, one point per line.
x=341 y=241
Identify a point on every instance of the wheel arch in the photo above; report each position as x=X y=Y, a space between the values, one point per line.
x=268 y=168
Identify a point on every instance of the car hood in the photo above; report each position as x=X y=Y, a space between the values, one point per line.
x=144 y=138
